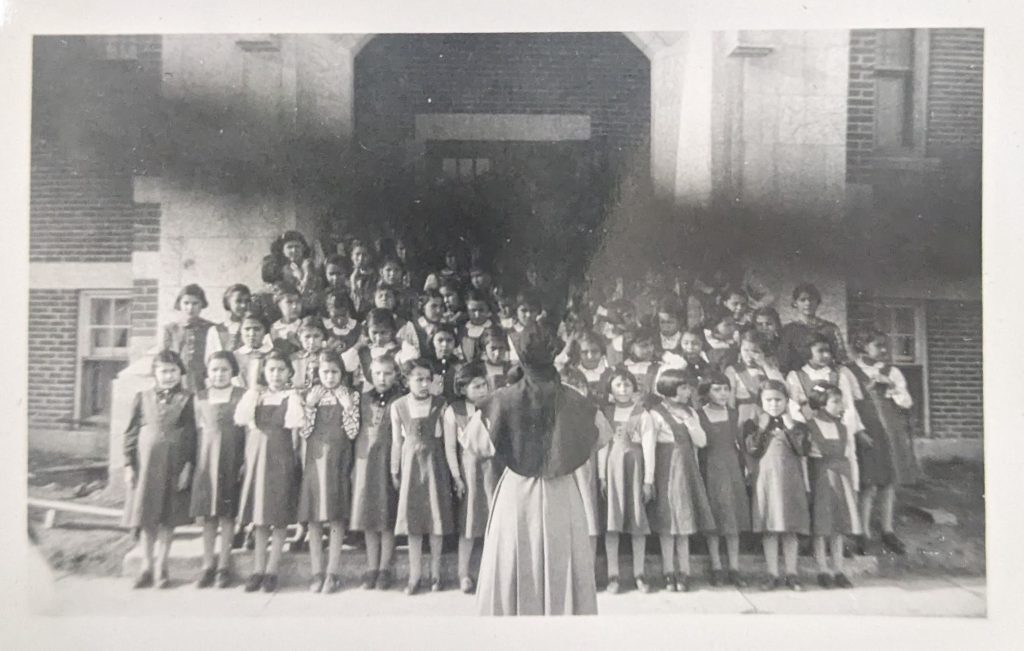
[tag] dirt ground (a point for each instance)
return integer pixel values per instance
(95, 546)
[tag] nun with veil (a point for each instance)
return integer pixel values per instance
(537, 558)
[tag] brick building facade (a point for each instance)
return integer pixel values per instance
(113, 236)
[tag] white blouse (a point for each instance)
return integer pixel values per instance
(897, 390)
(831, 432)
(663, 429)
(294, 417)
(217, 396)
(847, 384)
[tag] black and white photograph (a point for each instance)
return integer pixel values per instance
(555, 322)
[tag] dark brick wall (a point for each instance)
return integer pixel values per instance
(955, 368)
(955, 90)
(52, 354)
(860, 121)
(602, 75)
(77, 212)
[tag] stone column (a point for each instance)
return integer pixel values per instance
(681, 112)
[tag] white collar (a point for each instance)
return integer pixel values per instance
(476, 330)
(281, 325)
(594, 374)
(822, 372)
(672, 341)
(265, 348)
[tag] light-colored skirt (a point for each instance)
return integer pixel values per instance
(537, 558)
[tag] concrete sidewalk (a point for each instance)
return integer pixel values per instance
(77, 595)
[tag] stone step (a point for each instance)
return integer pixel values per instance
(185, 563)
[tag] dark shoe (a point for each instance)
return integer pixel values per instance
(316, 584)
(207, 578)
(270, 583)
(670, 583)
(467, 585)
(682, 582)
(412, 588)
(369, 579)
(893, 544)
(435, 585)
(613, 585)
(849, 544)
(840, 581)
(717, 578)
(384, 580)
(164, 581)
(643, 586)
(224, 578)
(238, 540)
(771, 583)
(254, 583)
(736, 580)
(793, 583)
(144, 580)
(862, 545)
(332, 584)
(825, 580)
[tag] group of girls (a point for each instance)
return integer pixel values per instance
(336, 398)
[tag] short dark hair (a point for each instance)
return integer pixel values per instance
(813, 340)
(773, 385)
(228, 357)
(270, 269)
(279, 355)
(290, 236)
(621, 372)
(712, 378)
(420, 362)
(193, 290)
(494, 335)
(381, 318)
(340, 298)
(820, 392)
(257, 316)
(529, 298)
(466, 374)
(313, 323)
(864, 336)
(473, 294)
(237, 287)
(671, 379)
(166, 356)
(807, 288)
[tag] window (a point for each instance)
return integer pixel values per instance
(900, 90)
(104, 326)
(464, 169)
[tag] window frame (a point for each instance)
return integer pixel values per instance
(83, 351)
(917, 74)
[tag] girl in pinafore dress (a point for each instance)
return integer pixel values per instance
(325, 496)
(252, 354)
(218, 475)
(342, 327)
(680, 507)
(885, 449)
(748, 373)
(475, 477)
(626, 474)
(641, 361)
(446, 363)
(778, 442)
(374, 499)
(833, 475)
(723, 464)
(227, 335)
(284, 333)
(494, 342)
(478, 311)
(304, 362)
(188, 335)
(273, 415)
(159, 455)
(380, 341)
(419, 472)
